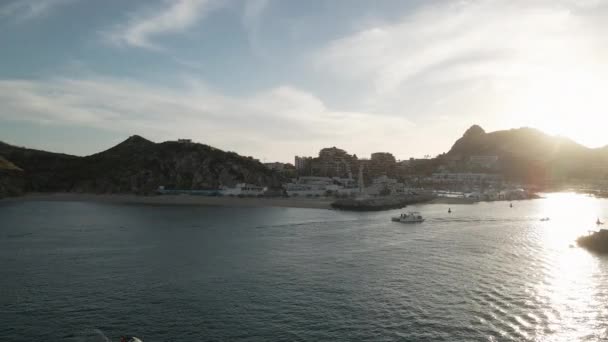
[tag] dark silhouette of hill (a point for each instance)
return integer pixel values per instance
(137, 165)
(531, 155)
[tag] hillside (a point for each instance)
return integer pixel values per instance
(11, 179)
(7, 165)
(530, 154)
(139, 166)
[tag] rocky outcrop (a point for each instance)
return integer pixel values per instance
(595, 242)
(11, 179)
(380, 203)
(138, 166)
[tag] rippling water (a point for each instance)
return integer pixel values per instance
(79, 271)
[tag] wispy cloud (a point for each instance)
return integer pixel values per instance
(277, 122)
(252, 19)
(482, 35)
(172, 16)
(29, 9)
(499, 63)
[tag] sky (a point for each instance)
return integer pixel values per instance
(277, 78)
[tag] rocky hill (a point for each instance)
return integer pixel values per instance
(11, 179)
(530, 154)
(138, 166)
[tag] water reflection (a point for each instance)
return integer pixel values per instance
(571, 281)
(571, 215)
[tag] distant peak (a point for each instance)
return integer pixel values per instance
(474, 130)
(134, 142)
(137, 139)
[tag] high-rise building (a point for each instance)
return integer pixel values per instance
(333, 162)
(382, 163)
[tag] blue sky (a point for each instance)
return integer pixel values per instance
(278, 78)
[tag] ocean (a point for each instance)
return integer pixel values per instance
(85, 271)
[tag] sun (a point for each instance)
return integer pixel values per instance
(562, 99)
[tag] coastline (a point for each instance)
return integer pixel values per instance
(306, 203)
(453, 200)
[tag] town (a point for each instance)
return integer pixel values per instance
(337, 174)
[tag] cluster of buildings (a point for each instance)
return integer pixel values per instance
(335, 172)
(343, 187)
(335, 162)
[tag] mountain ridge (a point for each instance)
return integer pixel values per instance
(139, 166)
(525, 151)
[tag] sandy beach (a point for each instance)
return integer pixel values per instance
(313, 203)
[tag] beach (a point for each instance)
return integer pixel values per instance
(312, 203)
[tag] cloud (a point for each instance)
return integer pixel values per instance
(483, 37)
(252, 19)
(30, 9)
(497, 63)
(277, 123)
(173, 17)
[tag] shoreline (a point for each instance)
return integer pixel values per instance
(305, 203)
(452, 200)
(223, 201)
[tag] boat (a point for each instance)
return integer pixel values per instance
(411, 217)
(544, 219)
(449, 210)
(598, 222)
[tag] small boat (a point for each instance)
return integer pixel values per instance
(511, 205)
(449, 210)
(598, 222)
(411, 217)
(544, 219)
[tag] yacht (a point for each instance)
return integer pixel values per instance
(411, 217)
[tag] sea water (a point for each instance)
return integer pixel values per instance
(83, 271)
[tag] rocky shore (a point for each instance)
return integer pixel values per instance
(596, 242)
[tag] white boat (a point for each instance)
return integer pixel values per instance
(411, 217)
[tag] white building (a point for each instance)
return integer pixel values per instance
(243, 189)
(320, 186)
(302, 163)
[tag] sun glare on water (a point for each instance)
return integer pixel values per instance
(570, 215)
(569, 285)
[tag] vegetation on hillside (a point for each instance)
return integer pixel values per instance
(138, 165)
